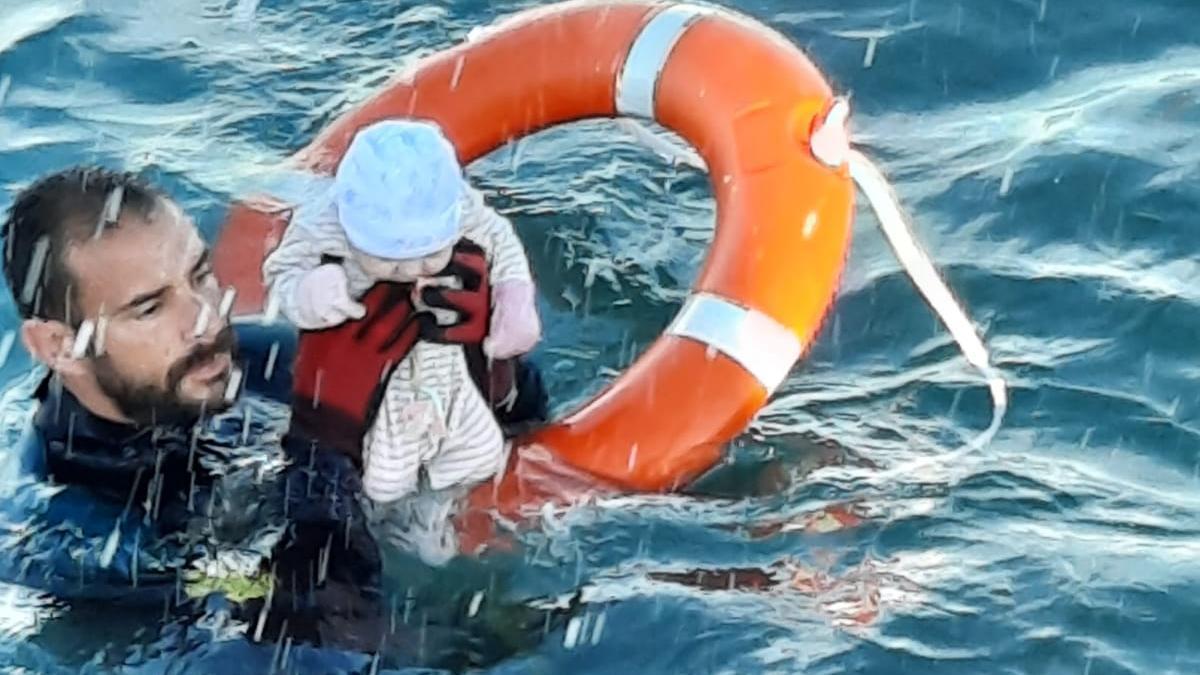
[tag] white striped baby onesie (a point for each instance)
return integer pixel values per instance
(433, 418)
(417, 467)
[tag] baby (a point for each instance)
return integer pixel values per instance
(400, 208)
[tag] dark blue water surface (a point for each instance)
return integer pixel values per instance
(1048, 151)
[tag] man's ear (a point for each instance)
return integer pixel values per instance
(52, 342)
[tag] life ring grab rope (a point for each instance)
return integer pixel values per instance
(925, 277)
(831, 145)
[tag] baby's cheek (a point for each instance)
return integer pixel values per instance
(375, 269)
(437, 262)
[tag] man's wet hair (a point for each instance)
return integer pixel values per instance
(50, 215)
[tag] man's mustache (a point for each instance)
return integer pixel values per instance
(224, 343)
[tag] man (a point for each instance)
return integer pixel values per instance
(143, 477)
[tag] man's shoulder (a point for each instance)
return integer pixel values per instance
(265, 353)
(22, 459)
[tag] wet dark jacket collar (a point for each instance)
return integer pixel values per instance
(114, 460)
(61, 417)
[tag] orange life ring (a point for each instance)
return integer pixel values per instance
(749, 101)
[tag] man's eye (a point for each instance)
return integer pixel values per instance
(204, 275)
(148, 310)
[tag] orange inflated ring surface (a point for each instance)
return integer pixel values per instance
(748, 101)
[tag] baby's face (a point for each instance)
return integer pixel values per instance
(404, 271)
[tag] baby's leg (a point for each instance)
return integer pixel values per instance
(419, 524)
(474, 449)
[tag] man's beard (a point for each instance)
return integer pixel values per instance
(152, 404)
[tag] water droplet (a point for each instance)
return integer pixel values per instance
(317, 389)
(110, 546)
(83, 339)
(137, 546)
(572, 636)
(5, 85)
(323, 563)
(271, 315)
(518, 152)
(589, 275)
(476, 601)
(287, 652)
(458, 68)
(234, 384)
(598, 628)
(279, 644)
(202, 320)
(1006, 181)
(810, 225)
(33, 277)
(227, 303)
(246, 428)
(112, 210)
(869, 57)
(272, 356)
(101, 333)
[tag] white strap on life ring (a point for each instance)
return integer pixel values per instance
(758, 343)
(637, 85)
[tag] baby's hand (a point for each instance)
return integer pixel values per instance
(323, 299)
(515, 328)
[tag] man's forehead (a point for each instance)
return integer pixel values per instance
(137, 256)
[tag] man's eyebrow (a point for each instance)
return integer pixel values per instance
(145, 297)
(203, 260)
(157, 293)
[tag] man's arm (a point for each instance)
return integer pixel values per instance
(74, 546)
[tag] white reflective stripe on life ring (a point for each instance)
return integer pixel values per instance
(648, 55)
(758, 343)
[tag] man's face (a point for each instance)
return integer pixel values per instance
(162, 352)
